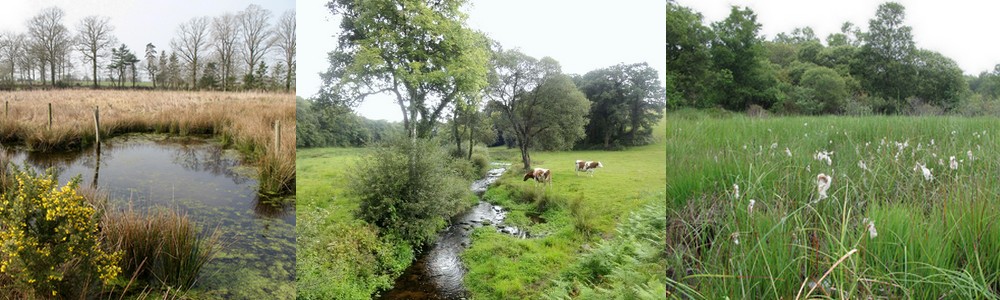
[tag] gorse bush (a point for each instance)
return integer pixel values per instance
(50, 239)
(407, 188)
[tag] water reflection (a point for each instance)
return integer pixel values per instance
(210, 184)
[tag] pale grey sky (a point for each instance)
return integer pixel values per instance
(962, 30)
(581, 35)
(136, 22)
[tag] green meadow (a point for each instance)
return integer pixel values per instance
(592, 237)
(887, 228)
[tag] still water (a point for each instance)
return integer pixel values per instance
(208, 183)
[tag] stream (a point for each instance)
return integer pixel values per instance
(438, 272)
(212, 186)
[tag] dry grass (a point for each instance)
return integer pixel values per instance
(243, 120)
(161, 247)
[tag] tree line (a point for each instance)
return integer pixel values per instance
(728, 64)
(228, 52)
(453, 82)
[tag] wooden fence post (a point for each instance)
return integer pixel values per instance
(277, 136)
(97, 126)
(50, 115)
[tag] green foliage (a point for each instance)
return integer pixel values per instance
(629, 266)
(882, 65)
(504, 267)
(743, 77)
(886, 60)
(826, 87)
(423, 52)
(536, 102)
(338, 256)
(405, 188)
(626, 102)
(50, 239)
(688, 58)
(321, 124)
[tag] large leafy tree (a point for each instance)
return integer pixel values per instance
(626, 101)
(826, 88)
(688, 57)
(420, 52)
(743, 76)
(886, 60)
(536, 102)
(940, 82)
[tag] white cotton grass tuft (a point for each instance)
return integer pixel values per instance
(969, 154)
(750, 206)
(789, 152)
(872, 232)
(824, 156)
(736, 191)
(736, 238)
(822, 185)
(774, 145)
(925, 171)
(953, 164)
(862, 165)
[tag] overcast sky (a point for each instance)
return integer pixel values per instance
(581, 35)
(136, 22)
(962, 30)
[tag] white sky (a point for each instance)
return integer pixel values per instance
(962, 30)
(136, 22)
(581, 35)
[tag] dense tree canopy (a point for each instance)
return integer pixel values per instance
(626, 100)
(875, 71)
(742, 76)
(420, 52)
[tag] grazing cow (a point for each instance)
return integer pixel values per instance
(540, 175)
(587, 166)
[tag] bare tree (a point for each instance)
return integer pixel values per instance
(225, 32)
(93, 39)
(192, 42)
(256, 37)
(51, 37)
(285, 40)
(13, 46)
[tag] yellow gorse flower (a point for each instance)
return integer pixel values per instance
(44, 228)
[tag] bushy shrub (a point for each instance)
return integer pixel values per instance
(49, 239)
(407, 188)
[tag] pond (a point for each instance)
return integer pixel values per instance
(212, 186)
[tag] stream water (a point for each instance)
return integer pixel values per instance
(438, 272)
(210, 184)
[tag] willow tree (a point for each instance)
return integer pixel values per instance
(420, 52)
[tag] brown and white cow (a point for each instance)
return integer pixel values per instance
(587, 166)
(539, 175)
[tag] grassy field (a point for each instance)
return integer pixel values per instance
(579, 212)
(886, 230)
(244, 120)
(573, 216)
(337, 255)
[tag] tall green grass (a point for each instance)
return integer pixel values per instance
(935, 239)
